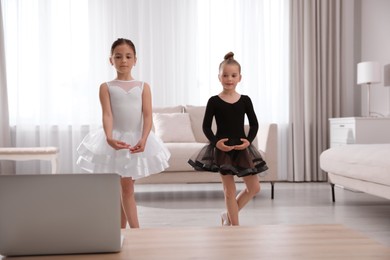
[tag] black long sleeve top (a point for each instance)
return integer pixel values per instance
(230, 119)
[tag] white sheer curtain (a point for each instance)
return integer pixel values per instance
(57, 55)
(5, 134)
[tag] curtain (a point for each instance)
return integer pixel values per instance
(315, 83)
(60, 52)
(5, 134)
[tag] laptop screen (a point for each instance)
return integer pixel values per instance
(59, 214)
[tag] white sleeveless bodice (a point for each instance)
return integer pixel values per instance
(126, 104)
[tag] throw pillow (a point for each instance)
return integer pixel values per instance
(173, 109)
(196, 115)
(173, 127)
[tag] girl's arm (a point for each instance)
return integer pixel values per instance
(105, 102)
(207, 122)
(252, 118)
(253, 126)
(147, 119)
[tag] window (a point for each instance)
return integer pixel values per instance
(57, 56)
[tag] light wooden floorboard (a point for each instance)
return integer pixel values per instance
(199, 205)
(287, 242)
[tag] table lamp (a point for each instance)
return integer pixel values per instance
(386, 78)
(368, 73)
(386, 75)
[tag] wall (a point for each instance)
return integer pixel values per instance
(365, 37)
(350, 55)
(375, 46)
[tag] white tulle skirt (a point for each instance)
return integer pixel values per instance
(96, 156)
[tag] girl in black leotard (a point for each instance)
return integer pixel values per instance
(230, 151)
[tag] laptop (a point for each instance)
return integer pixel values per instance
(59, 214)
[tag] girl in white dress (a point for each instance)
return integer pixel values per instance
(125, 145)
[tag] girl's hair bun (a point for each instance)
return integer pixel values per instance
(229, 60)
(229, 55)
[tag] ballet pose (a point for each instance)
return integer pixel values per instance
(125, 145)
(230, 151)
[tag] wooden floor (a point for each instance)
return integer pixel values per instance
(245, 242)
(200, 205)
(254, 242)
(182, 221)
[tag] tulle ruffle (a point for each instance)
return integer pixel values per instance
(96, 156)
(237, 162)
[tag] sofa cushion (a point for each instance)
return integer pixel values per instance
(180, 153)
(196, 115)
(173, 109)
(367, 162)
(173, 127)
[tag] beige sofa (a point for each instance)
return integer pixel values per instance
(180, 128)
(361, 167)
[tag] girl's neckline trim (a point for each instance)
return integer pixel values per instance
(124, 80)
(229, 102)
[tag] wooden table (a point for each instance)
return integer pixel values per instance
(245, 242)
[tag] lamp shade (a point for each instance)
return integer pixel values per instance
(368, 72)
(386, 75)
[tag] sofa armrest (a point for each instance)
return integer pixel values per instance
(267, 143)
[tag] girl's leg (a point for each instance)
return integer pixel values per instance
(252, 188)
(229, 188)
(123, 217)
(128, 202)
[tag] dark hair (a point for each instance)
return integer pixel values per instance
(121, 41)
(229, 59)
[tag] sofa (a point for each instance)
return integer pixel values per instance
(180, 128)
(360, 167)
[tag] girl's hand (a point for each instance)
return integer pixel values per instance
(138, 148)
(116, 144)
(222, 146)
(243, 146)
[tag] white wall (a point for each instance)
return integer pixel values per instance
(375, 46)
(365, 37)
(350, 55)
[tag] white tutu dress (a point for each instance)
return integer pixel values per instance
(97, 156)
